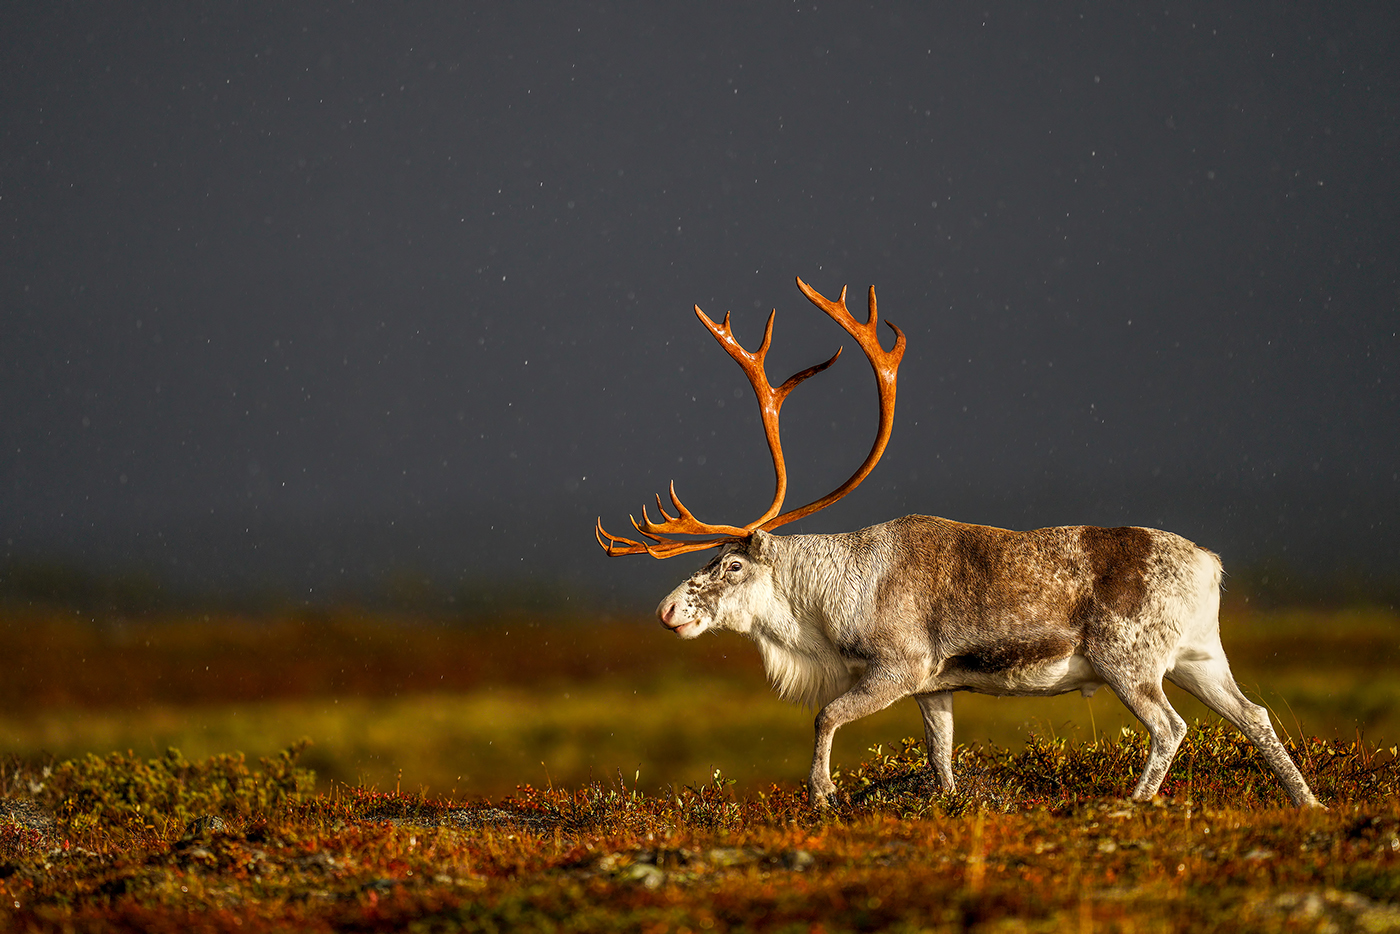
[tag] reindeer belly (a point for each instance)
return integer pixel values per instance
(1034, 662)
(1036, 679)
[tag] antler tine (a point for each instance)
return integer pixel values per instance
(683, 523)
(770, 400)
(616, 545)
(885, 363)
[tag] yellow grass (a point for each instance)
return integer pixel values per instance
(674, 723)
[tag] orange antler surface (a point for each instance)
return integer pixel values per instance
(885, 363)
(662, 543)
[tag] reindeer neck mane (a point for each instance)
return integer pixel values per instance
(802, 663)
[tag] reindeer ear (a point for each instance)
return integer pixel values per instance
(761, 546)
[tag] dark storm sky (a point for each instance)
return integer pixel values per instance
(318, 295)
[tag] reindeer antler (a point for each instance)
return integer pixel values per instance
(885, 363)
(662, 544)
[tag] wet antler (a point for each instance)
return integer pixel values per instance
(662, 544)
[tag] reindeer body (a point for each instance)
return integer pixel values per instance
(925, 607)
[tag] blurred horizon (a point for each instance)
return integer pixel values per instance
(135, 590)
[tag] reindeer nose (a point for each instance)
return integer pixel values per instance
(666, 612)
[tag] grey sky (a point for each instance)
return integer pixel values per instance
(310, 296)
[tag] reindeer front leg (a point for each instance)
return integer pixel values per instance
(879, 687)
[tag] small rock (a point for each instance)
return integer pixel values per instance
(798, 860)
(320, 860)
(206, 823)
(647, 875)
(26, 813)
(726, 856)
(381, 886)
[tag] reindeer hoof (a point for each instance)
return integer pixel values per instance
(819, 795)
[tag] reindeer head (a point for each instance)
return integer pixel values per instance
(723, 593)
(728, 593)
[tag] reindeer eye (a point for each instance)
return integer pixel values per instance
(735, 566)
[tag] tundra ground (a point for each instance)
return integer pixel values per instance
(651, 831)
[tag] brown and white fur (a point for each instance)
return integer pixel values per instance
(920, 606)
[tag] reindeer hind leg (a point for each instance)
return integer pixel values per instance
(1164, 725)
(937, 710)
(1210, 680)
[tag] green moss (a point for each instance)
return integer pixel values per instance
(124, 790)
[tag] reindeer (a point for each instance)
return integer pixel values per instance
(849, 623)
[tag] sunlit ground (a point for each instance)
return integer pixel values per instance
(478, 711)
